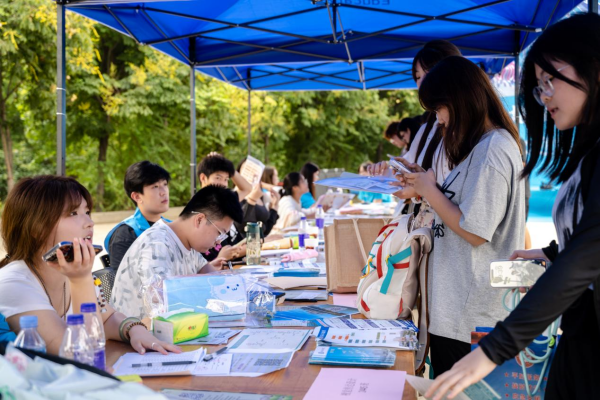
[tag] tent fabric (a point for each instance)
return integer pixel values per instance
(324, 44)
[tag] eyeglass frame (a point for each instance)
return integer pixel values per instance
(222, 235)
(538, 91)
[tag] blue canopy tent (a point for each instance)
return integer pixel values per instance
(311, 44)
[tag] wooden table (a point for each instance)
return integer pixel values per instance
(294, 380)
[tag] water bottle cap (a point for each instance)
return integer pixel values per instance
(28, 321)
(320, 206)
(303, 218)
(76, 319)
(88, 307)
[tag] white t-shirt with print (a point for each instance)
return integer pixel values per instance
(156, 254)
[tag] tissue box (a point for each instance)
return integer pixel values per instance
(180, 327)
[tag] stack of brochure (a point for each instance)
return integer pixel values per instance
(356, 356)
(399, 339)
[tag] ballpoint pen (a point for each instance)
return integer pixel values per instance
(210, 356)
(166, 363)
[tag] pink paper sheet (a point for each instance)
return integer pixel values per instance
(348, 300)
(357, 383)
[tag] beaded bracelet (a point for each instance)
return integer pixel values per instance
(140, 323)
(122, 325)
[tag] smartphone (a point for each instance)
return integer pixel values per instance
(399, 167)
(516, 273)
(67, 249)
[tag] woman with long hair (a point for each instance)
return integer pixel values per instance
(290, 207)
(39, 213)
(560, 102)
(310, 171)
(426, 149)
(479, 210)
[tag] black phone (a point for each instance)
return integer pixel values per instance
(67, 249)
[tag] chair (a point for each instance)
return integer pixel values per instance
(105, 260)
(107, 279)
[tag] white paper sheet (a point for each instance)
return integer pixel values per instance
(252, 170)
(215, 336)
(252, 364)
(269, 341)
(219, 365)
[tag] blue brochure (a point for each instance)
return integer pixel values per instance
(357, 356)
(219, 296)
(320, 311)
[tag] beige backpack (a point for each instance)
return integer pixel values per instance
(395, 274)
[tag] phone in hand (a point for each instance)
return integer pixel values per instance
(399, 167)
(67, 250)
(516, 273)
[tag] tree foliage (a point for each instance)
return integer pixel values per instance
(126, 103)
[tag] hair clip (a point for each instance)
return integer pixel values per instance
(7, 256)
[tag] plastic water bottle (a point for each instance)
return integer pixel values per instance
(302, 233)
(29, 338)
(95, 332)
(76, 344)
(320, 220)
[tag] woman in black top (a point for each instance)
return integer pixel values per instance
(560, 89)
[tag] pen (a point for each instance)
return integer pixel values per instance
(166, 363)
(209, 357)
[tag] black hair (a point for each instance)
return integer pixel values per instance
(575, 41)
(142, 174)
(432, 53)
(216, 202)
(428, 57)
(292, 179)
(466, 91)
(215, 163)
(308, 170)
(412, 125)
(392, 129)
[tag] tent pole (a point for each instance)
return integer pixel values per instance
(249, 121)
(61, 95)
(517, 85)
(517, 77)
(593, 6)
(192, 130)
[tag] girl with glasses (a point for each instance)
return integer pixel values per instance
(560, 102)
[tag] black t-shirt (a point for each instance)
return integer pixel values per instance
(122, 238)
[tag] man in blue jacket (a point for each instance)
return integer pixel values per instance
(147, 184)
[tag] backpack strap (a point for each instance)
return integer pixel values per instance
(393, 262)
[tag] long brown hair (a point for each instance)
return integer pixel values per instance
(461, 86)
(428, 57)
(32, 211)
(268, 175)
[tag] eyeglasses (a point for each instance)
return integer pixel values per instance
(545, 88)
(222, 235)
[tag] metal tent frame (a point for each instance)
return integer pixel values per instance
(260, 54)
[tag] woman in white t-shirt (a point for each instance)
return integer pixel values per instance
(40, 212)
(290, 208)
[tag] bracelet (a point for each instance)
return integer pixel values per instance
(140, 323)
(122, 325)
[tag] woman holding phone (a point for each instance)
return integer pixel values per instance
(479, 210)
(39, 213)
(560, 102)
